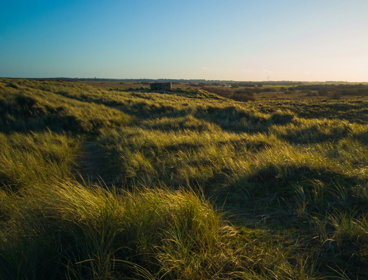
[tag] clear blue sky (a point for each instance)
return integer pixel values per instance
(210, 39)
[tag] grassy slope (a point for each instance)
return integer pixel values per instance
(291, 176)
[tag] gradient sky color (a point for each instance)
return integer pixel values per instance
(309, 40)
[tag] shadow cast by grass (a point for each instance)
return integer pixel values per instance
(362, 137)
(234, 119)
(315, 134)
(143, 110)
(350, 111)
(288, 194)
(93, 165)
(344, 245)
(21, 113)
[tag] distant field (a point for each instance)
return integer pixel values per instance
(107, 180)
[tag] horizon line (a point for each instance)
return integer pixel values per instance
(183, 79)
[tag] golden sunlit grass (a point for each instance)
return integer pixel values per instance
(106, 184)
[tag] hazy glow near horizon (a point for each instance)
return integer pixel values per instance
(310, 40)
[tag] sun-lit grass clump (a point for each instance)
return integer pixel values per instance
(35, 157)
(98, 183)
(78, 232)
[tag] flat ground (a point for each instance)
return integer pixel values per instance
(106, 180)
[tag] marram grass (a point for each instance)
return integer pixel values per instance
(68, 230)
(99, 183)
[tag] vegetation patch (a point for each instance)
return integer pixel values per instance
(110, 181)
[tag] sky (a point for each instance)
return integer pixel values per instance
(258, 40)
